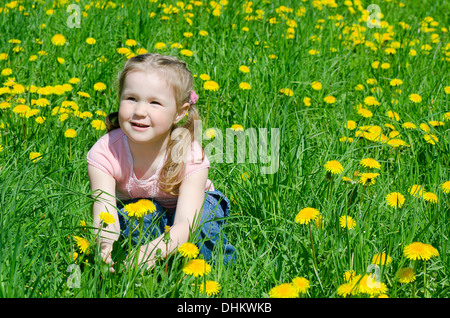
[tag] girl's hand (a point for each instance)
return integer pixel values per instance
(105, 252)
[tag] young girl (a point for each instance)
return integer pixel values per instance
(139, 158)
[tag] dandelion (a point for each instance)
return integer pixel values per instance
(244, 69)
(381, 259)
(370, 163)
(305, 215)
(419, 251)
(140, 208)
(98, 124)
(197, 267)
(351, 125)
(416, 190)
(210, 287)
(82, 244)
(346, 221)
(285, 290)
(90, 41)
(330, 99)
(396, 82)
(58, 40)
(70, 133)
(346, 289)
(210, 133)
(431, 139)
(160, 46)
(415, 98)
(446, 187)
(287, 91)
(368, 178)
(406, 275)
(334, 167)
(188, 250)
(35, 156)
(107, 218)
(301, 283)
(395, 200)
(409, 125)
(316, 85)
(371, 101)
(99, 86)
(245, 86)
(430, 197)
(237, 127)
(186, 52)
(211, 86)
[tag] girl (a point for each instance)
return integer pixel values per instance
(141, 157)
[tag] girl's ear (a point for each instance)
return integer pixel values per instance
(181, 113)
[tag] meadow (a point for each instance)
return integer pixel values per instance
(359, 203)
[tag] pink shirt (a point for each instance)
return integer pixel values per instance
(112, 155)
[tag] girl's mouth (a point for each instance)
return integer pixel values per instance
(139, 125)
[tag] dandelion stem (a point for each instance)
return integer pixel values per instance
(312, 247)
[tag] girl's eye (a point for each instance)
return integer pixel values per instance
(131, 98)
(155, 102)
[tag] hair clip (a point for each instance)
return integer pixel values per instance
(193, 98)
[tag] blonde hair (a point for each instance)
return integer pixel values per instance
(180, 78)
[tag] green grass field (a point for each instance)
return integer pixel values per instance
(382, 92)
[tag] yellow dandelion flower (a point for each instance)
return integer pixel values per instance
(210, 287)
(416, 189)
(244, 69)
(90, 41)
(211, 86)
(70, 133)
(351, 125)
(99, 86)
(285, 290)
(330, 99)
(58, 40)
(107, 218)
(98, 124)
(82, 244)
(406, 275)
(160, 46)
(415, 98)
(368, 178)
(287, 91)
(430, 197)
(347, 221)
(35, 156)
(237, 127)
(245, 86)
(307, 101)
(188, 250)
(371, 101)
(302, 284)
(140, 208)
(205, 77)
(370, 163)
(409, 125)
(316, 85)
(395, 199)
(305, 215)
(396, 82)
(419, 251)
(381, 259)
(210, 133)
(446, 187)
(346, 289)
(186, 52)
(197, 267)
(431, 139)
(334, 167)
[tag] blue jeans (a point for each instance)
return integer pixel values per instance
(209, 237)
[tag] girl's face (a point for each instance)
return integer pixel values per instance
(148, 108)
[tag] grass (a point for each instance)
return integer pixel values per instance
(45, 201)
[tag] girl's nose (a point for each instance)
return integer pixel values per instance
(140, 109)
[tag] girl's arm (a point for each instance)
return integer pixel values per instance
(103, 187)
(190, 202)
